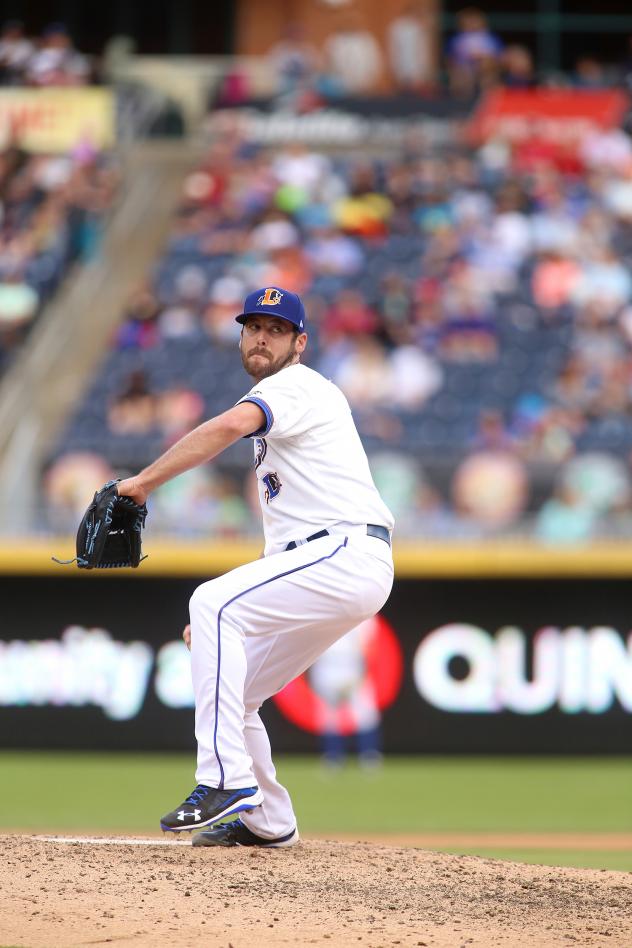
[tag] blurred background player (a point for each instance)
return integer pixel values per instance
(349, 717)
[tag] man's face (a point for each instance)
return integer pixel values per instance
(268, 344)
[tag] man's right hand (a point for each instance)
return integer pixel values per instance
(186, 635)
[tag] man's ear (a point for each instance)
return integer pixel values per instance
(301, 342)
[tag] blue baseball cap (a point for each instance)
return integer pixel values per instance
(274, 301)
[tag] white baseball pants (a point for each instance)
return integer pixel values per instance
(255, 629)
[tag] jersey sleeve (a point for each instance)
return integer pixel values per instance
(285, 404)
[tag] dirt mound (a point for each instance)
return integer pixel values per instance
(318, 893)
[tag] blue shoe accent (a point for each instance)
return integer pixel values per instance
(206, 805)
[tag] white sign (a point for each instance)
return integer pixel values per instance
(573, 669)
(84, 666)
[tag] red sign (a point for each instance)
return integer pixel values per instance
(515, 114)
(383, 674)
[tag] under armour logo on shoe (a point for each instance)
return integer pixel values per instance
(182, 815)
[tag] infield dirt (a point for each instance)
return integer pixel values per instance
(318, 893)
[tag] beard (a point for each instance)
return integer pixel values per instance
(270, 366)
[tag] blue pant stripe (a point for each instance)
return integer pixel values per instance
(219, 639)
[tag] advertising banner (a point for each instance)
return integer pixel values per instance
(336, 126)
(558, 114)
(56, 120)
(467, 666)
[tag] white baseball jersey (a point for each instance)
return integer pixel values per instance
(312, 471)
(257, 627)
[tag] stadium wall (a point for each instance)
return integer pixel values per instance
(481, 650)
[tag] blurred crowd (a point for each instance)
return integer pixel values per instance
(41, 61)
(51, 206)
(51, 213)
(353, 62)
(475, 306)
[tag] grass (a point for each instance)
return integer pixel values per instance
(61, 792)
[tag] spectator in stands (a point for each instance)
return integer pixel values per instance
(364, 373)
(415, 377)
(133, 411)
(554, 225)
(185, 505)
(371, 376)
(365, 210)
(492, 433)
(57, 62)
(275, 232)
(468, 339)
(67, 487)
(181, 317)
(409, 41)
(234, 87)
(400, 188)
(545, 433)
(517, 70)
(204, 501)
(597, 337)
(353, 59)
(473, 54)
(507, 237)
(349, 315)
(227, 293)
(295, 63)
(329, 251)
(297, 166)
(288, 267)
(18, 301)
(232, 517)
(396, 308)
(398, 479)
(139, 328)
(604, 279)
(555, 277)
(607, 148)
(178, 411)
(490, 488)
(16, 51)
(589, 487)
(589, 73)
(207, 185)
(565, 519)
(574, 387)
(469, 332)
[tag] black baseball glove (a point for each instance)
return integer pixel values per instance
(109, 534)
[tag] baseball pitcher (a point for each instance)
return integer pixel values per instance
(327, 566)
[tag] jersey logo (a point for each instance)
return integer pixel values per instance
(271, 297)
(273, 485)
(261, 449)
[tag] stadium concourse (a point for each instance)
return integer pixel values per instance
(474, 304)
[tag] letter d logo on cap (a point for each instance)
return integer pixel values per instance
(271, 297)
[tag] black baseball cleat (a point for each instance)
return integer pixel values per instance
(237, 834)
(207, 805)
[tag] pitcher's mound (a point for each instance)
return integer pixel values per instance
(147, 892)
